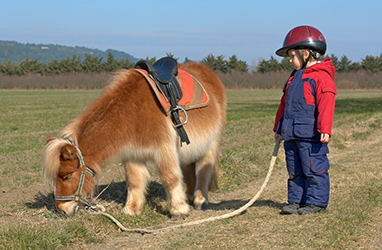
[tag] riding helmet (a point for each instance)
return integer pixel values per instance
(303, 37)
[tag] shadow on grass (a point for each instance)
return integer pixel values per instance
(156, 196)
(115, 191)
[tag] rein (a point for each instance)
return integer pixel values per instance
(77, 197)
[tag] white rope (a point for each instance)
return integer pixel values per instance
(197, 222)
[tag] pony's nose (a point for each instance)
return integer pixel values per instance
(67, 213)
(61, 211)
(67, 208)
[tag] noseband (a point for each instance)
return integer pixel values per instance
(77, 197)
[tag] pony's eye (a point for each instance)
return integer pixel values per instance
(67, 177)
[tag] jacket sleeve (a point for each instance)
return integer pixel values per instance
(279, 115)
(325, 103)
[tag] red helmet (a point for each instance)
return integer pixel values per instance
(303, 37)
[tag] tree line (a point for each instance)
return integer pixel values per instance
(97, 64)
(217, 63)
(369, 63)
(70, 64)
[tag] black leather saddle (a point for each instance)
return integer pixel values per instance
(164, 72)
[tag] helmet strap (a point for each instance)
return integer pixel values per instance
(304, 61)
(315, 54)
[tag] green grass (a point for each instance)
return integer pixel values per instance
(28, 117)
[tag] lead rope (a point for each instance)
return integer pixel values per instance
(197, 222)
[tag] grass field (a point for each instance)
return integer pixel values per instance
(353, 220)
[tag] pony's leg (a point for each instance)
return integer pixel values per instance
(204, 170)
(137, 178)
(189, 179)
(172, 179)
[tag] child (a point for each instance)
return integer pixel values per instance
(304, 120)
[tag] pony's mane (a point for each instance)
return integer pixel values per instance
(51, 157)
(70, 131)
(52, 150)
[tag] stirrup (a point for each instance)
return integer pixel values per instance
(177, 107)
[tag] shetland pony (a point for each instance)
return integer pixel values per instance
(126, 121)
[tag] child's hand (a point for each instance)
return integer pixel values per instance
(277, 136)
(325, 138)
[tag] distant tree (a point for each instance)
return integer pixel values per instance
(355, 66)
(210, 61)
(70, 64)
(92, 64)
(344, 64)
(151, 60)
(8, 68)
(236, 65)
(371, 64)
(53, 68)
(28, 66)
(232, 64)
(110, 64)
(335, 60)
(125, 64)
(186, 60)
(169, 54)
(242, 66)
(271, 65)
(221, 64)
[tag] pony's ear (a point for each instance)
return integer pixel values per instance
(50, 138)
(68, 152)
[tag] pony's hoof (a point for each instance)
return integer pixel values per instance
(202, 206)
(178, 217)
(181, 212)
(128, 211)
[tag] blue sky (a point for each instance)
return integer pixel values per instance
(249, 29)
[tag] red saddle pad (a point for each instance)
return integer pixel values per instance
(194, 95)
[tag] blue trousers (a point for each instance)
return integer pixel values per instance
(308, 166)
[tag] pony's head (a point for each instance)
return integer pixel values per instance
(73, 180)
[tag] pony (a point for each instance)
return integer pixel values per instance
(127, 123)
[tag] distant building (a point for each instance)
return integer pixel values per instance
(44, 47)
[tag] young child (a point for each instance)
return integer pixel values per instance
(304, 120)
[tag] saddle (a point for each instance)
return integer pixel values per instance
(164, 72)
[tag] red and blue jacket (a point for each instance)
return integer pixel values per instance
(307, 107)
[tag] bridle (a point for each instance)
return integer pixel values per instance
(77, 197)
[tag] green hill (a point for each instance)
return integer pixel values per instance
(45, 53)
